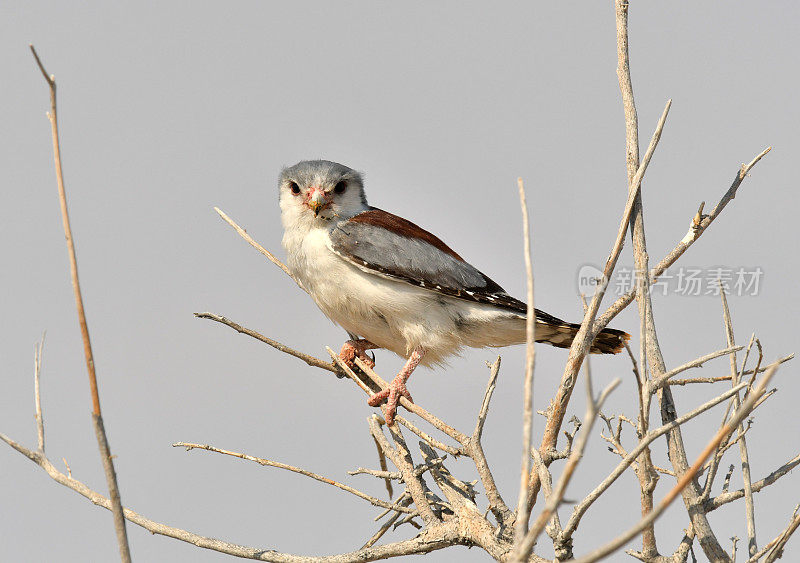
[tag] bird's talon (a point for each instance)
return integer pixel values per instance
(353, 349)
(376, 399)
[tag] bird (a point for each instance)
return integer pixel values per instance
(393, 285)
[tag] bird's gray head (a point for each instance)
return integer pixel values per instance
(320, 190)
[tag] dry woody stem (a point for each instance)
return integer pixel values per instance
(97, 417)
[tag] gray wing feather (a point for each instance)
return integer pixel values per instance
(418, 262)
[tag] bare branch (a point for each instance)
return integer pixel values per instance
(593, 407)
(268, 462)
(310, 360)
(433, 442)
(725, 498)
(444, 535)
(413, 407)
(521, 523)
(583, 506)
(261, 249)
(661, 381)
(402, 460)
(686, 478)
(494, 370)
(776, 546)
(589, 327)
(97, 417)
(699, 380)
(37, 370)
(750, 515)
(695, 231)
(388, 524)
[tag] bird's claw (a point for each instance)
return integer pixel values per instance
(354, 349)
(397, 388)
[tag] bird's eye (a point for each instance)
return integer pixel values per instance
(340, 187)
(294, 188)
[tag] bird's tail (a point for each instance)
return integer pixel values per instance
(553, 330)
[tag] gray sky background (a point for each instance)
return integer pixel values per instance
(168, 109)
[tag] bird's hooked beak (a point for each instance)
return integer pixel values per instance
(318, 200)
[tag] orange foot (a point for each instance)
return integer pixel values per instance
(353, 349)
(397, 388)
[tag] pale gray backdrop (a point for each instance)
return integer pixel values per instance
(170, 108)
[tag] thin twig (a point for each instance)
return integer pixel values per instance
(414, 408)
(97, 417)
(37, 370)
(388, 524)
(592, 408)
(494, 370)
(401, 458)
(433, 442)
(695, 231)
(521, 524)
(581, 344)
(583, 506)
(686, 478)
(661, 381)
(269, 463)
(474, 449)
(775, 547)
(432, 539)
(258, 247)
(383, 466)
(752, 546)
(699, 380)
(310, 360)
(725, 498)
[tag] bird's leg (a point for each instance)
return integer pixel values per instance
(357, 348)
(397, 388)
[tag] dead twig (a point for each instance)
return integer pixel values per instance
(521, 523)
(581, 508)
(592, 409)
(97, 417)
(271, 257)
(310, 360)
(686, 478)
(750, 516)
(269, 463)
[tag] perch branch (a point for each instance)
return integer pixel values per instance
(310, 360)
(413, 407)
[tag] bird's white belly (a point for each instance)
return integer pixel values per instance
(393, 314)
